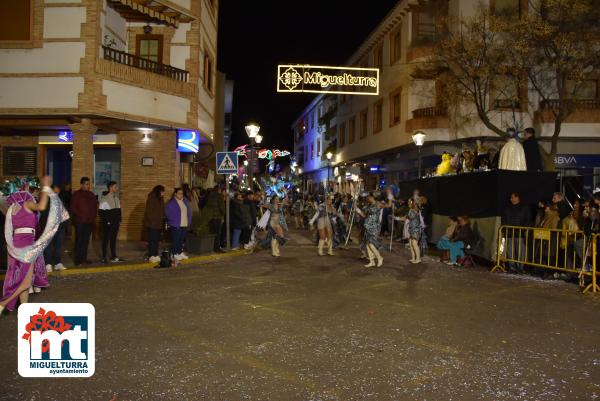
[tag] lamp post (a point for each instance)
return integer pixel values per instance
(419, 139)
(329, 155)
(252, 130)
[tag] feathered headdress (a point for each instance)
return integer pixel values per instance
(19, 184)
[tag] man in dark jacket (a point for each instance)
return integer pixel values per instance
(518, 215)
(533, 158)
(154, 221)
(110, 216)
(84, 208)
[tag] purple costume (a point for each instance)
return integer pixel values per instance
(24, 252)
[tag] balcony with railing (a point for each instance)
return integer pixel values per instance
(581, 110)
(136, 71)
(132, 60)
(575, 103)
(428, 117)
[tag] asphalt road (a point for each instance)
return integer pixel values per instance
(303, 327)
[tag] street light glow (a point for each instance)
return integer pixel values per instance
(258, 139)
(252, 130)
(329, 155)
(419, 138)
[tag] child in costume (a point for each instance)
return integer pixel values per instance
(445, 167)
(25, 255)
(415, 230)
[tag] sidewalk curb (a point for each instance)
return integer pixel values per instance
(142, 265)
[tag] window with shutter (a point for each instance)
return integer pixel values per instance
(19, 161)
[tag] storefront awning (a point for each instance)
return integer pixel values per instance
(149, 11)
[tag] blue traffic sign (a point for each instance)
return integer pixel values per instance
(227, 162)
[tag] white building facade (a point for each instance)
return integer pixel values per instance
(104, 88)
(374, 133)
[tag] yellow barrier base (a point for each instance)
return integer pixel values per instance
(498, 267)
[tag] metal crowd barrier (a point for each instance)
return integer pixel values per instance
(561, 250)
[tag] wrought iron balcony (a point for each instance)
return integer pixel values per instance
(430, 112)
(132, 60)
(577, 104)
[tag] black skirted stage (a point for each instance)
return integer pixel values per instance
(482, 196)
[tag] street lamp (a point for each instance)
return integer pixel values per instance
(252, 130)
(419, 139)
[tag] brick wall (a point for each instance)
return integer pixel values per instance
(137, 180)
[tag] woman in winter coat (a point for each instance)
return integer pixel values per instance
(238, 220)
(154, 220)
(179, 218)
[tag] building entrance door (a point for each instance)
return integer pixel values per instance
(58, 165)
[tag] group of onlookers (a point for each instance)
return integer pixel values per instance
(209, 206)
(568, 248)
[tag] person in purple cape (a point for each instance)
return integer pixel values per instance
(25, 254)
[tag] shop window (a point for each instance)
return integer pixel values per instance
(150, 47)
(342, 135)
(351, 129)
(15, 20)
(363, 124)
(208, 72)
(396, 45)
(378, 116)
(19, 161)
(395, 107)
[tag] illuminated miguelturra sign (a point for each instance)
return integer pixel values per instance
(322, 79)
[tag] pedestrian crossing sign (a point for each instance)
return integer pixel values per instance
(227, 162)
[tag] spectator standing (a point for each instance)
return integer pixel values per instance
(237, 220)
(516, 214)
(154, 221)
(84, 208)
(53, 252)
(110, 216)
(179, 218)
(562, 205)
(215, 210)
(531, 147)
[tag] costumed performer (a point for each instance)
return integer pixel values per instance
(415, 230)
(25, 255)
(512, 154)
(276, 226)
(372, 227)
(324, 215)
(445, 167)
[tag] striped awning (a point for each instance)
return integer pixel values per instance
(135, 11)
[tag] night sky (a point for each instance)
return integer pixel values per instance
(255, 36)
